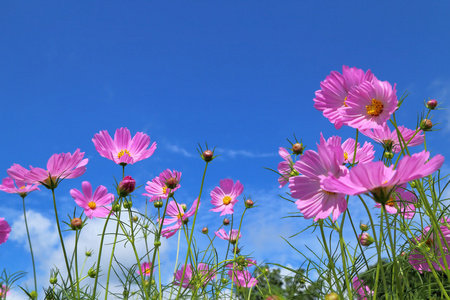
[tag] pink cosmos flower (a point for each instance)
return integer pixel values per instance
(243, 278)
(176, 214)
(403, 199)
(157, 189)
(285, 167)
(332, 97)
(93, 205)
(364, 154)
(389, 139)
(379, 180)
(361, 289)
(123, 150)
(22, 188)
(194, 278)
(17, 172)
(232, 236)
(146, 269)
(370, 105)
(4, 291)
(59, 167)
(5, 229)
(429, 243)
(313, 200)
(225, 196)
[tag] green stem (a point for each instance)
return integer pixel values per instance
(112, 253)
(29, 242)
(330, 258)
(77, 236)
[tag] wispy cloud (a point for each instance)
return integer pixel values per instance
(242, 153)
(440, 89)
(179, 150)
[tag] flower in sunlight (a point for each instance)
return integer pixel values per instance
(93, 205)
(332, 97)
(194, 278)
(176, 214)
(232, 236)
(402, 199)
(146, 269)
(361, 289)
(59, 167)
(225, 196)
(160, 186)
(123, 150)
(5, 229)
(285, 167)
(364, 154)
(22, 188)
(242, 278)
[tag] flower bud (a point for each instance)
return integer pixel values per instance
(224, 280)
(135, 219)
(116, 207)
(431, 104)
(413, 184)
(34, 294)
(185, 220)
(205, 230)
(297, 148)
(171, 183)
(388, 155)
(157, 243)
(332, 296)
(88, 253)
(426, 125)
(126, 186)
(125, 293)
(237, 250)
(365, 239)
(127, 204)
(76, 223)
(53, 280)
(248, 203)
(226, 222)
(158, 204)
(363, 227)
(184, 206)
(92, 273)
(208, 155)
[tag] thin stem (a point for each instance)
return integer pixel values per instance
(330, 258)
(77, 236)
(29, 242)
(112, 253)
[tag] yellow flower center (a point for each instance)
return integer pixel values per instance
(345, 155)
(122, 152)
(180, 215)
(375, 109)
(390, 202)
(345, 104)
(226, 200)
(328, 193)
(147, 271)
(22, 187)
(92, 205)
(165, 190)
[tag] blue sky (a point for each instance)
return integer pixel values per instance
(240, 76)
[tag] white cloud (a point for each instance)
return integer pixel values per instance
(242, 153)
(441, 91)
(179, 150)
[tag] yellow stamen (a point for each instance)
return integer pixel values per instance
(122, 152)
(180, 215)
(390, 202)
(147, 271)
(165, 190)
(345, 155)
(92, 205)
(226, 200)
(345, 104)
(329, 193)
(375, 109)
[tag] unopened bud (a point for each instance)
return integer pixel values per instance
(184, 206)
(363, 227)
(297, 148)
(224, 280)
(76, 223)
(248, 203)
(157, 243)
(208, 155)
(205, 230)
(365, 239)
(34, 294)
(413, 184)
(431, 104)
(388, 155)
(135, 219)
(332, 296)
(426, 125)
(171, 183)
(237, 250)
(116, 207)
(53, 280)
(127, 204)
(226, 222)
(92, 273)
(126, 186)
(158, 204)
(88, 253)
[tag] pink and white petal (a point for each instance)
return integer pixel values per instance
(87, 190)
(122, 138)
(227, 186)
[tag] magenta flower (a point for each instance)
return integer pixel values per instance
(430, 246)
(59, 167)
(5, 229)
(176, 214)
(225, 196)
(389, 139)
(93, 205)
(4, 291)
(403, 199)
(194, 278)
(146, 269)
(123, 150)
(313, 200)
(285, 167)
(379, 180)
(332, 97)
(364, 154)
(126, 186)
(243, 278)
(361, 289)
(370, 105)
(17, 172)
(158, 188)
(365, 239)
(232, 236)
(22, 188)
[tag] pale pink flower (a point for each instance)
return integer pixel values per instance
(361, 289)
(285, 167)
(403, 199)
(4, 291)
(176, 214)
(428, 242)
(232, 236)
(93, 205)
(370, 105)
(146, 269)
(22, 188)
(17, 172)
(364, 154)
(5, 229)
(194, 278)
(123, 150)
(59, 167)
(225, 196)
(313, 200)
(157, 189)
(243, 278)
(389, 139)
